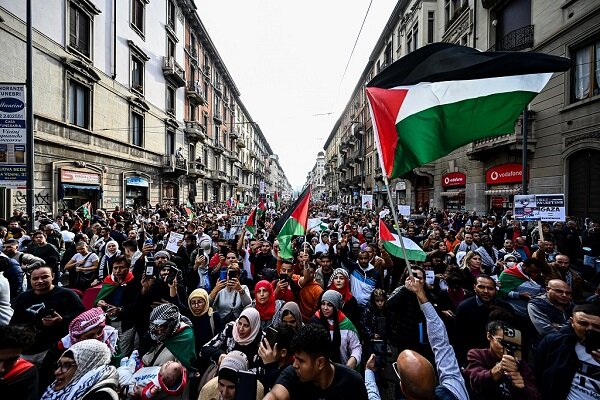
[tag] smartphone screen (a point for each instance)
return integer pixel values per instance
(592, 341)
(271, 336)
(246, 386)
(223, 275)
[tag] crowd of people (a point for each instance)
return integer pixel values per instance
(174, 303)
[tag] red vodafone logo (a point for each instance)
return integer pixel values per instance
(504, 173)
(454, 179)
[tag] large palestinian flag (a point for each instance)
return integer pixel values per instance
(391, 243)
(443, 96)
(251, 222)
(292, 223)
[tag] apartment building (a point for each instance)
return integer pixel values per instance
(132, 105)
(563, 121)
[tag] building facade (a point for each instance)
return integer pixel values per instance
(563, 121)
(132, 106)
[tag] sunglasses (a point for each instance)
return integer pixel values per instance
(395, 367)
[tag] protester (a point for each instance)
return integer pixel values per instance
(18, 377)
(225, 384)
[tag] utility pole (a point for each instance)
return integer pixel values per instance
(524, 156)
(29, 121)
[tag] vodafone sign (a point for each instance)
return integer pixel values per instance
(504, 173)
(454, 179)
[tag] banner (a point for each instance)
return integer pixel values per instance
(540, 207)
(13, 136)
(367, 201)
(404, 210)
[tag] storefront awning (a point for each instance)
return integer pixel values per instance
(80, 186)
(452, 193)
(502, 192)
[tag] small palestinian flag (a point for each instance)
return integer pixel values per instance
(391, 243)
(276, 200)
(292, 223)
(87, 210)
(251, 222)
(444, 96)
(262, 208)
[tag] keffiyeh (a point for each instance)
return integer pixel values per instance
(87, 321)
(165, 314)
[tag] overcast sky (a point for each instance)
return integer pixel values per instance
(287, 59)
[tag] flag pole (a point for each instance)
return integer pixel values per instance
(394, 214)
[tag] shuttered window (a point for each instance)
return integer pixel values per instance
(584, 191)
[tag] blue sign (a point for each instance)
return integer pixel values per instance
(11, 105)
(137, 181)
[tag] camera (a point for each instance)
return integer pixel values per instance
(512, 342)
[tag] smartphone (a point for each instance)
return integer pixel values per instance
(232, 274)
(285, 278)
(224, 250)
(46, 312)
(379, 351)
(271, 335)
(150, 267)
(592, 341)
(245, 389)
(512, 342)
(223, 275)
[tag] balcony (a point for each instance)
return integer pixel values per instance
(218, 87)
(222, 176)
(218, 148)
(240, 143)
(196, 169)
(218, 118)
(253, 154)
(246, 167)
(195, 93)
(481, 149)
(174, 165)
(232, 155)
(195, 131)
(173, 72)
(234, 134)
(234, 180)
(519, 39)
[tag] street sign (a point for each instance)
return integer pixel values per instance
(13, 136)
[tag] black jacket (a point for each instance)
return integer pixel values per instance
(556, 363)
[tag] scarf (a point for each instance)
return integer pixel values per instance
(486, 259)
(87, 321)
(294, 310)
(182, 344)
(107, 259)
(344, 291)
(91, 358)
(266, 310)
(200, 294)
(165, 314)
(109, 285)
(253, 318)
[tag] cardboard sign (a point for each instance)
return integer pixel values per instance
(540, 207)
(174, 238)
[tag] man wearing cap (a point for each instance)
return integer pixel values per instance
(224, 385)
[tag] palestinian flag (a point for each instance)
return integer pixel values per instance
(109, 286)
(391, 243)
(251, 222)
(510, 279)
(262, 208)
(87, 210)
(292, 223)
(276, 200)
(444, 96)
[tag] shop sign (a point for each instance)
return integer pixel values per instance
(454, 179)
(13, 136)
(498, 201)
(504, 173)
(540, 207)
(400, 185)
(79, 177)
(137, 181)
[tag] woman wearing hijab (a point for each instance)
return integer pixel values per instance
(206, 323)
(291, 315)
(243, 334)
(111, 251)
(346, 348)
(173, 337)
(90, 324)
(340, 282)
(266, 305)
(83, 373)
(229, 297)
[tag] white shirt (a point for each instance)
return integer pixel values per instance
(586, 378)
(88, 263)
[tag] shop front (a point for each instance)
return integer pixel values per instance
(137, 190)
(503, 182)
(78, 187)
(454, 184)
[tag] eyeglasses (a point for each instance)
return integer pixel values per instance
(395, 367)
(64, 367)
(197, 303)
(498, 339)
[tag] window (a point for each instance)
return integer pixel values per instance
(137, 129)
(171, 14)
(138, 11)
(217, 137)
(447, 14)
(170, 47)
(430, 26)
(170, 105)
(137, 74)
(412, 42)
(399, 39)
(79, 104)
(170, 142)
(79, 30)
(586, 72)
